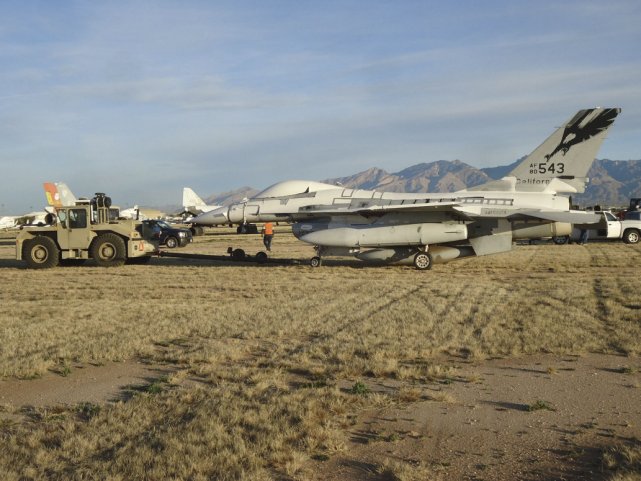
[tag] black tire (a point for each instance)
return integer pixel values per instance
(41, 252)
(138, 260)
(171, 242)
(261, 257)
(560, 239)
(631, 236)
(241, 229)
(108, 250)
(315, 261)
(72, 262)
(423, 261)
(238, 254)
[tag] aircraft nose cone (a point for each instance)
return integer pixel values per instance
(213, 217)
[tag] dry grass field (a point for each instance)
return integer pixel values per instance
(288, 372)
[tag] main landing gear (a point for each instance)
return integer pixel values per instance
(423, 261)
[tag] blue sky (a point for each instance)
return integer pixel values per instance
(141, 98)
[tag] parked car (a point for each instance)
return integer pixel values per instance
(166, 234)
(629, 229)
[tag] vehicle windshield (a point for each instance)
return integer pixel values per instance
(163, 224)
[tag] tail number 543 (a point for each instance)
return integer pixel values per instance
(542, 168)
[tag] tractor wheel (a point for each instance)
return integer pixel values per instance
(423, 261)
(41, 252)
(108, 250)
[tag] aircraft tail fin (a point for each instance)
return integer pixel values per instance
(562, 162)
(190, 198)
(58, 194)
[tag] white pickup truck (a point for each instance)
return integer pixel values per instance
(609, 227)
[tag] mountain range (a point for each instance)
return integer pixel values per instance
(612, 182)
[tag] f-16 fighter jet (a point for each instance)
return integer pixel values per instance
(424, 228)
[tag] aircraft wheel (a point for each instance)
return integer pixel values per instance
(631, 236)
(171, 242)
(238, 254)
(41, 252)
(423, 261)
(108, 250)
(560, 239)
(315, 261)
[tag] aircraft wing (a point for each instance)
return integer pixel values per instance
(571, 216)
(380, 209)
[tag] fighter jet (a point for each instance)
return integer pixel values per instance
(424, 228)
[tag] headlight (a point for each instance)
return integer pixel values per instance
(181, 234)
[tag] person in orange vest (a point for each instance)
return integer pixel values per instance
(268, 235)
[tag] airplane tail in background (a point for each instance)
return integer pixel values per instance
(562, 162)
(567, 154)
(191, 199)
(58, 194)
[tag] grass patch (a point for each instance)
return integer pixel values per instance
(359, 388)
(623, 461)
(540, 405)
(157, 386)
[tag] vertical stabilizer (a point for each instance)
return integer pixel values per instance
(191, 199)
(567, 154)
(58, 194)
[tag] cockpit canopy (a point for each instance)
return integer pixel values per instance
(293, 187)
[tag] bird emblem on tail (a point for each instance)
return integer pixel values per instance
(579, 130)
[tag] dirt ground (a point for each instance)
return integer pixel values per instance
(490, 429)
(533, 418)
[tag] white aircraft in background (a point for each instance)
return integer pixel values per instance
(132, 213)
(429, 228)
(194, 205)
(8, 222)
(16, 221)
